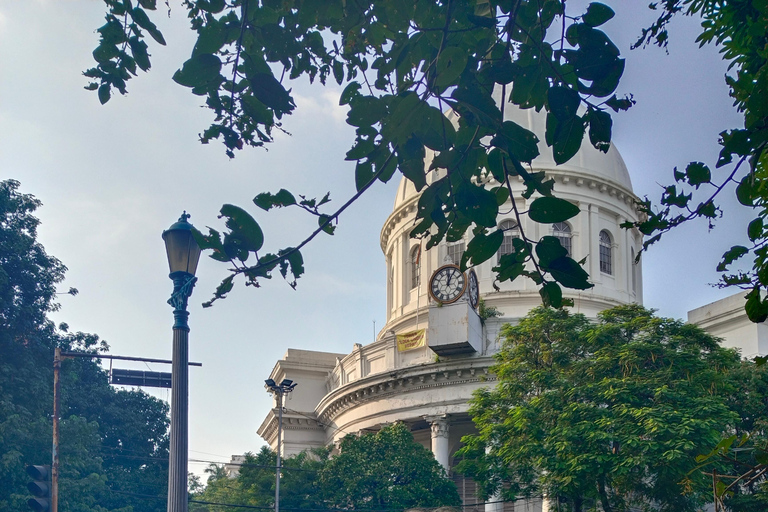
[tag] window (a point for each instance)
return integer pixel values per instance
(455, 252)
(415, 266)
(510, 232)
(562, 232)
(606, 253)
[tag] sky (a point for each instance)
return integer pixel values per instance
(113, 177)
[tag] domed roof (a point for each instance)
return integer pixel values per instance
(588, 162)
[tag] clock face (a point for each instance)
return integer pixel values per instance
(474, 289)
(447, 284)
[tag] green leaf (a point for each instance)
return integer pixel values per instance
(551, 295)
(731, 255)
(294, 262)
(349, 93)
(697, 173)
(597, 14)
(563, 101)
(548, 250)
(104, 93)
(755, 229)
(338, 71)
(600, 127)
(329, 227)
(265, 200)
(139, 52)
(366, 111)
(363, 174)
(450, 65)
(271, 92)
(565, 137)
(198, 71)
(549, 210)
(517, 141)
(756, 308)
(434, 129)
(142, 20)
(410, 161)
(569, 273)
(243, 226)
(212, 6)
(482, 247)
(746, 191)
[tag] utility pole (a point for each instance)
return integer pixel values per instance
(57, 358)
(56, 414)
(279, 390)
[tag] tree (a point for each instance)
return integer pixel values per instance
(613, 413)
(386, 469)
(113, 443)
(405, 64)
(372, 471)
(741, 30)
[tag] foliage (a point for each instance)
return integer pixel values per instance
(373, 471)
(426, 85)
(740, 29)
(612, 413)
(109, 438)
(742, 457)
(485, 312)
(386, 469)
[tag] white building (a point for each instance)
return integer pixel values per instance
(428, 387)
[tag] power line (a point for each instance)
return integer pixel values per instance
(293, 509)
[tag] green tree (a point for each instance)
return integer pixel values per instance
(613, 413)
(382, 470)
(385, 470)
(404, 65)
(740, 29)
(109, 438)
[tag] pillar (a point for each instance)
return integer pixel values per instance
(440, 447)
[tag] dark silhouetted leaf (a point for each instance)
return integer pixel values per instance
(549, 210)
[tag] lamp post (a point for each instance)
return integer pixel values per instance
(183, 255)
(279, 390)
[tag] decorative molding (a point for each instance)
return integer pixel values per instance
(381, 386)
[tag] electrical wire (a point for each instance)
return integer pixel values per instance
(291, 509)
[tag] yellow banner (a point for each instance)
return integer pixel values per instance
(411, 340)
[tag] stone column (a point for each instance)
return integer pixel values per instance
(440, 447)
(594, 243)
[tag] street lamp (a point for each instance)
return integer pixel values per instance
(183, 255)
(279, 390)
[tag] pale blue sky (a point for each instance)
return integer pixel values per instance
(113, 177)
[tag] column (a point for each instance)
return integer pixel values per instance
(594, 243)
(440, 447)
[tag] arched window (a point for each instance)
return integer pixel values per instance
(510, 232)
(633, 266)
(415, 266)
(562, 231)
(455, 252)
(606, 253)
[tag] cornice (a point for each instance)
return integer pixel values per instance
(405, 380)
(268, 428)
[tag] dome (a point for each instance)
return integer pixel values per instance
(588, 162)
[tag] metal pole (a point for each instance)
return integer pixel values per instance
(177, 460)
(279, 440)
(56, 414)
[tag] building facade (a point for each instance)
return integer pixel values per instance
(426, 382)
